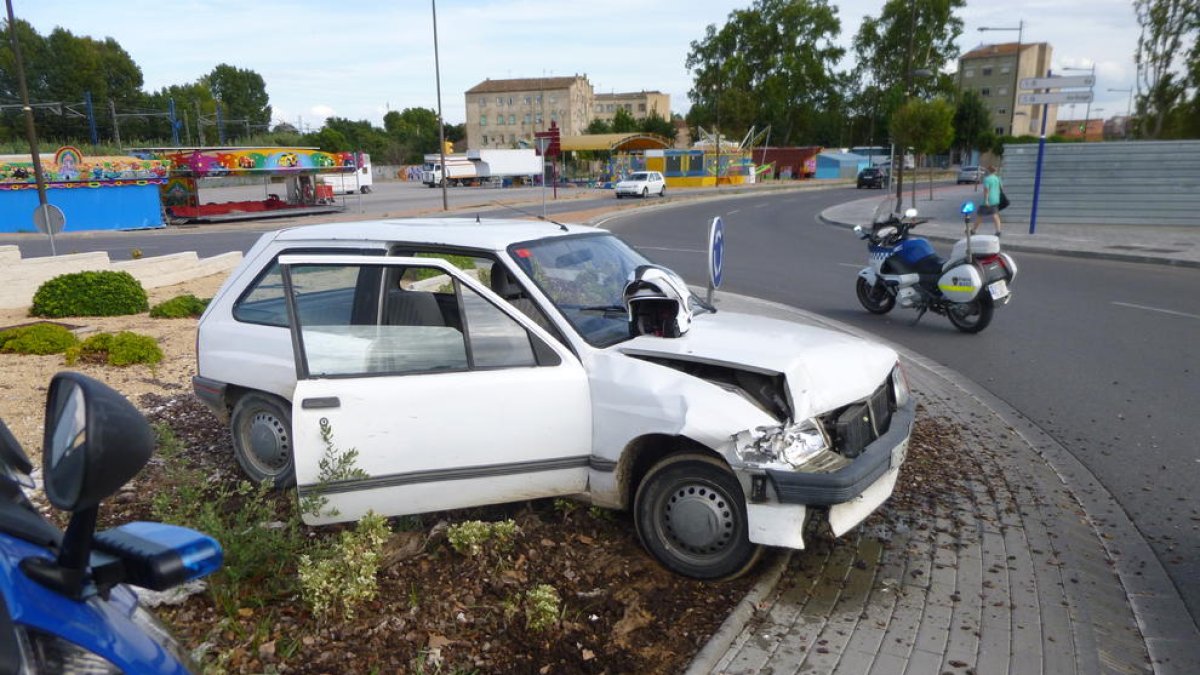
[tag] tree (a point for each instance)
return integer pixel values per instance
(655, 124)
(623, 122)
(907, 36)
(599, 126)
(1166, 25)
(415, 133)
(925, 126)
(771, 64)
(243, 96)
(972, 122)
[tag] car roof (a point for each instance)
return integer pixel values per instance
(494, 234)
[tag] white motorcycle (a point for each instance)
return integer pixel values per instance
(966, 287)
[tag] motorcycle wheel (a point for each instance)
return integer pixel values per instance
(874, 298)
(973, 316)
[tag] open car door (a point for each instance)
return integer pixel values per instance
(418, 389)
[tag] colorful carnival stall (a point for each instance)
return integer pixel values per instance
(94, 193)
(288, 176)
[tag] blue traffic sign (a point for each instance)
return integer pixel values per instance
(716, 252)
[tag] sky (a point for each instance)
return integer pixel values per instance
(360, 59)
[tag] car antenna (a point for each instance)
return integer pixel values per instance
(532, 215)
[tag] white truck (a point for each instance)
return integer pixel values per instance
(349, 183)
(482, 166)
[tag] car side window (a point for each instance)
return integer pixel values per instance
(403, 320)
(263, 301)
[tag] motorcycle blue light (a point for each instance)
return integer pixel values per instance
(159, 556)
(968, 208)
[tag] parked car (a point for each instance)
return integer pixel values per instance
(642, 184)
(870, 177)
(969, 174)
(473, 363)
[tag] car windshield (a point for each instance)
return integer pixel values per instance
(638, 176)
(585, 278)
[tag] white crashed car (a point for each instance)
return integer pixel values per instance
(641, 184)
(473, 363)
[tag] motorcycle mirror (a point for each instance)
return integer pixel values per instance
(95, 442)
(910, 213)
(968, 208)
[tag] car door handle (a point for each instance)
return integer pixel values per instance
(323, 402)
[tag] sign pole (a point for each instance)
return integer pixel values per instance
(1037, 176)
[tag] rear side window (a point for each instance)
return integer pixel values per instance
(263, 301)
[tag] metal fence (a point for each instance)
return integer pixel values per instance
(1113, 183)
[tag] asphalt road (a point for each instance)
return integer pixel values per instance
(1100, 354)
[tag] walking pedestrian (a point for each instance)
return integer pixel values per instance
(991, 200)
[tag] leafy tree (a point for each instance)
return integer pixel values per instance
(329, 139)
(972, 122)
(243, 97)
(771, 64)
(907, 36)
(599, 126)
(624, 123)
(413, 133)
(927, 126)
(1166, 25)
(655, 124)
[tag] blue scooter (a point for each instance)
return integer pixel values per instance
(66, 605)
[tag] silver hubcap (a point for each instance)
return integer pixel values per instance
(268, 442)
(699, 519)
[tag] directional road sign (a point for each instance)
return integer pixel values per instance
(1057, 82)
(1055, 97)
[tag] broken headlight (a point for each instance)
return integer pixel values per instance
(788, 446)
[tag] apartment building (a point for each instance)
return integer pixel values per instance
(993, 71)
(639, 104)
(506, 113)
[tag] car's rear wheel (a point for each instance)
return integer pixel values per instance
(691, 515)
(366, 189)
(645, 192)
(262, 439)
(973, 316)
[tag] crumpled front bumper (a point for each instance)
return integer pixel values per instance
(828, 489)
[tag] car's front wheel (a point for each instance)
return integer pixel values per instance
(645, 192)
(262, 439)
(874, 297)
(366, 189)
(691, 515)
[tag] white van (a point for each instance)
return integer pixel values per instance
(349, 183)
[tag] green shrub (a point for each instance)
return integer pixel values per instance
(541, 607)
(104, 293)
(41, 338)
(120, 349)
(469, 537)
(179, 307)
(339, 578)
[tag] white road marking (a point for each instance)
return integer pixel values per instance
(859, 266)
(733, 212)
(1157, 309)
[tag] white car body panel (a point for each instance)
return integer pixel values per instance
(847, 515)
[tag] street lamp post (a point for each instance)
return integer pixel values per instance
(1087, 114)
(1012, 119)
(1128, 111)
(437, 70)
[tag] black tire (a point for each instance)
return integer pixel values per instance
(691, 515)
(262, 439)
(366, 189)
(874, 298)
(974, 316)
(663, 192)
(619, 195)
(645, 192)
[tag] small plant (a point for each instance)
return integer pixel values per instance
(565, 506)
(600, 513)
(469, 537)
(116, 349)
(96, 293)
(335, 465)
(135, 253)
(179, 307)
(338, 579)
(41, 338)
(541, 608)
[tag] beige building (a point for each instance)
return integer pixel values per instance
(506, 113)
(993, 71)
(639, 104)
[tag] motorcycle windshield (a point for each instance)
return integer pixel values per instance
(884, 212)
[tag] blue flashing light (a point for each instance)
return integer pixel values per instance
(159, 556)
(968, 208)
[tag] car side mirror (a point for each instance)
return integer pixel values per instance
(95, 442)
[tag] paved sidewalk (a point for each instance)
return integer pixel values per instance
(1019, 563)
(1164, 245)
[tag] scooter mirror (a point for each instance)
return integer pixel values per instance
(95, 442)
(14, 463)
(910, 213)
(968, 208)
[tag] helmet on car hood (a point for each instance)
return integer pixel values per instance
(657, 302)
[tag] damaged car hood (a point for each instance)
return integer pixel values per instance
(824, 369)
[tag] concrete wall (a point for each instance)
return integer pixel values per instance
(1113, 183)
(25, 275)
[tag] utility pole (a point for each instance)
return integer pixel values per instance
(437, 71)
(112, 107)
(30, 129)
(898, 168)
